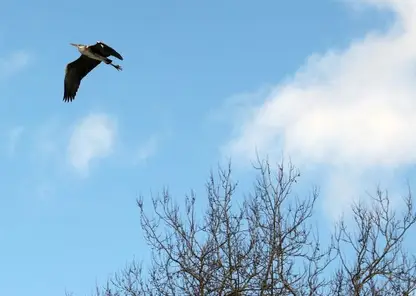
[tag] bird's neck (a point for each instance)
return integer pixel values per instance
(82, 49)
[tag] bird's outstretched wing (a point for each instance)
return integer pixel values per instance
(74, 73)
(105, 50)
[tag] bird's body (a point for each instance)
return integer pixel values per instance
(91, 57)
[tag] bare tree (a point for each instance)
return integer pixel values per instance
(265, 244)
(263, 247)
(378, 261)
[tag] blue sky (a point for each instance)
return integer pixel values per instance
(198, 79)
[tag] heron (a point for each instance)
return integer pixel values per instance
(91, 56)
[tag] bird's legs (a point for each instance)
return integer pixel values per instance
(118, 67)
(110, 62)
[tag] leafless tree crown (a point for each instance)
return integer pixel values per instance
(266, 244)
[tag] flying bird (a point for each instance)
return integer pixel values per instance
(91, 57)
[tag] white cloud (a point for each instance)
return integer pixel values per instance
(14, 137)
(147, 149)
(353, 109)
(48, 139)
(92, 138)
(13, 63)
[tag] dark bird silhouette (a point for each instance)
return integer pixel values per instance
(91, 57)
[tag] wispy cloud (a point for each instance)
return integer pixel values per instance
(13, 63)
(92, 138)
(14, 137)
(352, 110)
(147, 149)
(48, 138)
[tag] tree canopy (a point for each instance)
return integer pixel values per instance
(267, 243)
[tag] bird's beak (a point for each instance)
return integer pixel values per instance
(73, 44)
